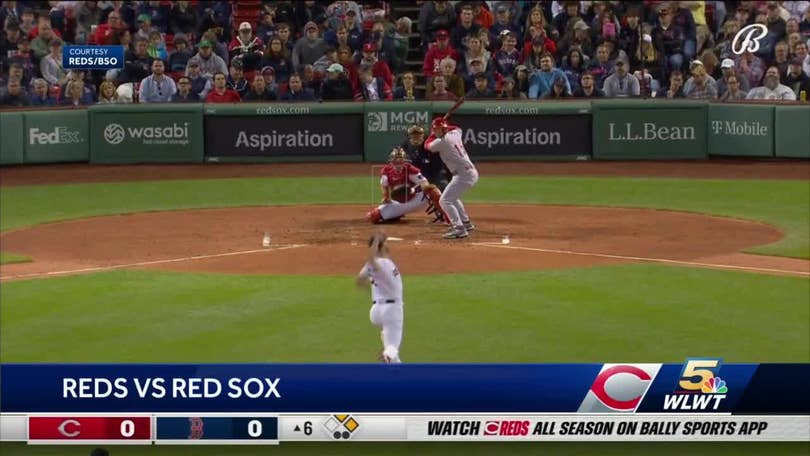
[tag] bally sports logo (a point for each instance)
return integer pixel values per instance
(619, 388)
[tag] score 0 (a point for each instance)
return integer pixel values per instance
(255, 428)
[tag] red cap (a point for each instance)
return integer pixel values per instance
(439, 122)
(369, 47)
(442, 34)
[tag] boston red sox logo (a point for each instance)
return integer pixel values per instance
(195, 428)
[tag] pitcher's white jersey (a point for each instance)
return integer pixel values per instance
(451, 150)
(386, 282)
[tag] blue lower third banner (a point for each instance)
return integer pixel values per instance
(92, 57)
(699, 385)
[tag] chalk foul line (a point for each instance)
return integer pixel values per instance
(645, 259)
(148, 263)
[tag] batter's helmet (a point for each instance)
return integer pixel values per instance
(439, 122)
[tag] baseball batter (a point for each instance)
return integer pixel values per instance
(386, 295)
(445, 139)
(398, 183)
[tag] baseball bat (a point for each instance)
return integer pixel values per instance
(455, 106)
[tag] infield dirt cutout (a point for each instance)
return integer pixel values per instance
(331, 240)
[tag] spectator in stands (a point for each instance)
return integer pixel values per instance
(267, 27)
(12, 36)
(710, 81)
(308, 48)
(221, 92)
(236, 78)
(158, 12)
(733, 90)
(504, 22)
(310, 80)
(336, 87)
(631, 32)
(535, 19)
(577, 37)
(407, 90)
(178, 60)
(476, 51)
(157, 47)
(675, 84)
(354, 31)
(402, 38)
(433, 17)
(246, 47)
(465, 28)
(750, 67)
(438, 89)
(297, 92)
(183, 18)
(144, 26)
(796, 78)
(684, 18)
(24, 57)
(804, 25)
(728, 70)
(15, 71)
(437, 52)
(507, 58)
(200, 85)
(107, 94)
(803, 55)
(781, 57)
(621, 83)
(215, 16)
(137, 63)
(605, 26)
(454, 82)
(777, 28)
(587, 87)
(308, 12)
(41, 95)
(480, 89)
(381, 68)
(27, 19)
(282, 9)
(482, 15)
(105, 30)
(711, 63)
(14, 96)
(508, 90)
(723, 46)
(209, 62)
(157, 87)
(383, 43)
(543, 78)
(120, 37)
(75, 95)
(559, 89)
(125, 92)
(277, 57)
(700, 89)
(573, 66)
(538, 37)
(285, 33)
(372, 88)
(522, 81)
(670, 39)
(41, 45)
(647, 56)
(327, 59)
(270, 84)
(219, 48)
(88, 15)
(258, 91)
(477, 66)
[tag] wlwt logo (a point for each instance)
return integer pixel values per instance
(619, 388)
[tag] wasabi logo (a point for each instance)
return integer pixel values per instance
(395, 121)
(175, 133)
(114, 134)
(59, 135)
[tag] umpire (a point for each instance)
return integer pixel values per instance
(431, 165)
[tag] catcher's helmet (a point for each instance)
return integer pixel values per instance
(397, 155)
(439, 122)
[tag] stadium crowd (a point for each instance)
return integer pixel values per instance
(191, 51)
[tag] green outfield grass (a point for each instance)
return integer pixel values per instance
(785, 204)
(640, 313)
(8, 258)
(410, 449)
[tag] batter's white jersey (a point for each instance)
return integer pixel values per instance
(451, 150)
(386, 282)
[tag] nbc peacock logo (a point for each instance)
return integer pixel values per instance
(714, 385)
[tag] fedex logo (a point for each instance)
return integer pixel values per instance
(619, 388)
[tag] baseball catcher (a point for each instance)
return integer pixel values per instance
(404, 190)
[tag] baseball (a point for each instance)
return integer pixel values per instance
(505, 240)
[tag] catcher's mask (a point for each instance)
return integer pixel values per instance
(398, 157)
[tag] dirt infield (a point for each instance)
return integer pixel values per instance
(716, 168)
(330, 240)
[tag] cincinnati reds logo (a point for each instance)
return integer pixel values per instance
(618, 388)
(751, 36)
(63, 428)
(195, 428)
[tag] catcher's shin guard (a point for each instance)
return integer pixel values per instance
(433, 194)
(374, 216)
